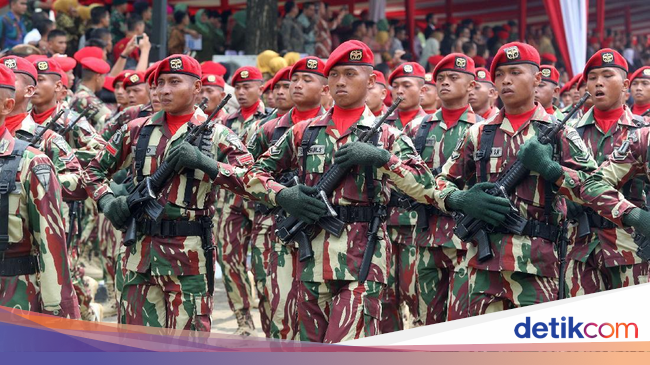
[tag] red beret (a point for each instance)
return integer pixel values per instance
(64, 80)
(7, 78)
(48, 67)
(643, 73)
(247, 73)
(95, 52)
(309, 64)
(213, 80)
(179, 64)
(548, 57)
(282, 75)
(267, 86)
(573, 82)
(379, 78)
(479, 61)
(565, 89)
(108, 83)
(120, 77)
(20, 65)
(96, 65)
(550, 74)
(434, 60)
(428, 79)
(213, 68)
(148, 75)
(483, 75)
(455, 62)
(581, 81)
(407, 69)
(66, 63)
(134, 79)
(354, 53)
(35, 57)
(605, 57)
(514, 53)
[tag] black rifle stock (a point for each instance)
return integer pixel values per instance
(472, 229)
(294, 229)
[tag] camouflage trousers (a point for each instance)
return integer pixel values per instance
(168, 301)
(24, 292)
(262, 237)
(494, 291)
(391, 309)
(353, 309)
(406, 268)
(233, 232)
(444, 284)
(282, 292)
(593, 276)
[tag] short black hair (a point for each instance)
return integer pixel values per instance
(356, 25)
(99, 33)
(468, 46)
(97, 14)
(96, 42)
(133, 21)
(44, 26)
(307, 5)
(179, 16)
(288, 6)
(429, 17)
(56, 33)
(87, 74)
(140, 7)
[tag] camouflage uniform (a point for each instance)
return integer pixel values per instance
(273, 262)
(116, 122)
(442, 264)
(402, 276)
(524, 269)
(118, 25)
(35, 273)
(329, 291)
(85, 98)
(165, 284)
(233, 226)
(606, 258)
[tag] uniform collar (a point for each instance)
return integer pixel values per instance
(367, 119)
(540, 115)
(468, 117)
(627, 119)
(158, 120)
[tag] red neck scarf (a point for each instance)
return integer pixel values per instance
(606, 119)
(407, 116)
(344, 118)
(517, 120)
(487, 113)
(246, 112)
(640, 109)
(14, 122)
(298, 116)
(174, 122)
(378, 112)
(2, 130)
(550, 110)
(42, 117)
(451, 116)
(431, 111)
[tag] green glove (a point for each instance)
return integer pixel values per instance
(478, 204)
(119, 189)
(115, 209)
(539, 157)
(361, 154)
(297, 201)
(639, 219)
(574, 210)
(187, 156)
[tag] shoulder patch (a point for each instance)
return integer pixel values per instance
(43, 173)
(235, 141)
(62, 144)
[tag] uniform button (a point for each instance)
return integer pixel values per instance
(571, 182)
(615, 212)
(56, 312)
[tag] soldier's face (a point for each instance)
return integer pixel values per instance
(575, 94)
(138, 94)
(349, 85)
(376, 96)
(268, 98)
(214, 94)
(567, 99)
(410, 89)
(516, 84)
(120, 94)
(177, 93)
(281, 96)
(58, 44)
(155, 100)
(307, 89)
(429, 97)
(544, 93)
(606, 85)
(248, 93)
(479, 97)
(640, 90)
(453, 86)
(46, 89)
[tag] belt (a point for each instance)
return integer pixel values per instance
(535, 228)
(351, 213)
(597, 221)
(21, 265)
(167, 228)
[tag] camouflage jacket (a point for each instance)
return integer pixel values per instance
(120, 118)
(118, 25)
(533, 255)
(617, 243)
(84, 98)
(440, 143)
(170, 255)
(340, 258)
(65, 162)
(83, 138)
(36, 228)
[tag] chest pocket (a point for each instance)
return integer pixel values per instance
(10, 192)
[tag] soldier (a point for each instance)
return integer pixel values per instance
(429, 101)
(212, 89)
(329, 289)
(120, 94)
(136, 89)
(34, 272)
(93, 72)
(565, 96)
(233, 227)
(280, 284)
(640, 89)
(582, 89)
(165, 284)
(606, 258)
(548, 91)
(442, 261)
(484, 94)
(524, 268)
(377, 95)
(572, 90)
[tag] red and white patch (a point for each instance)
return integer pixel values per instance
(111, 149)
(245, 159)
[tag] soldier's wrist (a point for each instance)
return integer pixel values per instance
(455, 200)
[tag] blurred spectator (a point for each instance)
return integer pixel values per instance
(358, 30)
(12, 26)
(308, 20)
(142, 9)
(68, 20)
(546, 41)
(99, 18)
(238, 34)
(176, 42)
(118, 19)
(218, 35)
(323, 36)
(431, 47)
(431, 27)
(56, 42)
(291, 34)
(134, 28)
(102, 38)
(42, 26)
(398, 35)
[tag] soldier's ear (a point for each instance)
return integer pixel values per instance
(29, 92)
(8, 104)
(197, 86)
(626, 83)
(325, 90)
(58, 86)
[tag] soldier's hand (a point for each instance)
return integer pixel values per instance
(361, 154)
(297, 201)
(185, 155)
(115, 209)
(538, 157)
(478, 204)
